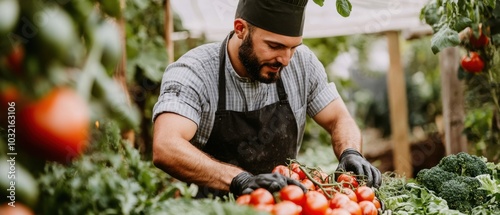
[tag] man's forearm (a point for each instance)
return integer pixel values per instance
(345, 134)
(185, 162)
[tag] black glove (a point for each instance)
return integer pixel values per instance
(352, 161)
(245, 183)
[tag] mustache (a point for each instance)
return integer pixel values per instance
(276, 64)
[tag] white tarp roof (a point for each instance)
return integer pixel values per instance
(214, 18)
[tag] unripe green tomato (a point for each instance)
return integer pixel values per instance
(109, 38)
(57, 32)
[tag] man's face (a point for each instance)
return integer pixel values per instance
(264, 55)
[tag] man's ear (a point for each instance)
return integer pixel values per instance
(240, 28)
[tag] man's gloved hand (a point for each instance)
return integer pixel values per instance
(352, 161)
(245, 183)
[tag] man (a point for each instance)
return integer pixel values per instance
(229, 112)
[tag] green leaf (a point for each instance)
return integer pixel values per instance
(344, 7)
(444, 38)
(319, 2)
(461, 23)
(429, 13)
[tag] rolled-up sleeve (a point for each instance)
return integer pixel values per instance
(321, 92)
(178, 94)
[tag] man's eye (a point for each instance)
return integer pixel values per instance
(274, 46)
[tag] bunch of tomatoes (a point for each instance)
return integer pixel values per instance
(324, 195)
(473, 62)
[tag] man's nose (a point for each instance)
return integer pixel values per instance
(285, 56)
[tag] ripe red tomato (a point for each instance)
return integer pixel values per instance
(376, 202)
(368, 208)
(284, 170)
(472, 64)
(20, 209)
(261, 196)
(339, 211)
(15, 59)
(350, 193)
(56, 127)
(296, 168)
(338, 200)
(243, 199)
(365, 193)
(320, 176)
(348, 181)
(292, 193)
(264, 207)
(479, 42)
(352, 207)
(286, 208)
(315, 203)
(308, 184)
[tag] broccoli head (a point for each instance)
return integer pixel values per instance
(464, 164)
(434, 177)
(477, 196)
(456, 194)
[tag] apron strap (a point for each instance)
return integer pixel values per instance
(221, 105)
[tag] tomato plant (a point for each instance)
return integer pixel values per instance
(365, 193)
(56, 127)
(472, 63)
(292, 193)
(261, 196)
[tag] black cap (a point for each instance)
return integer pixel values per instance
(285, 17)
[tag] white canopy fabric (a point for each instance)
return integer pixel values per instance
(214, 18)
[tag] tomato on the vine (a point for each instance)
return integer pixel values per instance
(292, 193)
(365, 193)
(350, 193)
(352, 207)
(308, 184)
(315, 203)
(261, 196)
(376, 202)
(286, 208)
(348, 181)
(338, 200)
(56, 127)
(15, 59)
(339, 211)
(472, 63)
(479, 42)
(368, 208)
(284, 170)
(296, 168)
(243, 199)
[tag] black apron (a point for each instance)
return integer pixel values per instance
(255, 141)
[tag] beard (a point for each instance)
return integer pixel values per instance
(250, 61)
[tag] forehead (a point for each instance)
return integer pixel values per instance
(260, 34)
